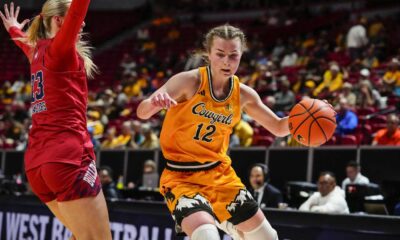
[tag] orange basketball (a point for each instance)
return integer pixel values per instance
(312, 122)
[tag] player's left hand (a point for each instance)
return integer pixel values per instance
(10, 17)
(163, 100)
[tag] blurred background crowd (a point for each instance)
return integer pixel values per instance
(347, 52)
(293, 52)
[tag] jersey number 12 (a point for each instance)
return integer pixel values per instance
(210, 129)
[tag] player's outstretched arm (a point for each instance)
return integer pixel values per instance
(251, 103)
(13, 27)
(177, 89)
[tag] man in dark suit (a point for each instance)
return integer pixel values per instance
(264, 193)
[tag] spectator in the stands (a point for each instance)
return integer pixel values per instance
(279, 49)
(285, 98)
(290, 58)
(127, 65)
(263, 192)
(244, 132)
(354, 176)
(138, 136)
(357, 39)
(110, 139)
(329, 198)
(151, 140)
(143, 34)
(95, 124)
(332, 81)
(348, 94)
(107, 182)
(346, 119)
(370, 60)
(150, 177)
(123, 140)
(391, 79)
(389, 135)
(368, 95)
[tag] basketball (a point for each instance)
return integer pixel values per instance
(312, 122)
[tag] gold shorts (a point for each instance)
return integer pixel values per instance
(218, 191)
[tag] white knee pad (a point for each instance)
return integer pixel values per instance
(229, 229)
(264, 232)
(206, 232)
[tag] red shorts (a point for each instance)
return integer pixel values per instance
(63, 181)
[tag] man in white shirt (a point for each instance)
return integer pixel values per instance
(329, 198)
(357, 39)
(353, 175)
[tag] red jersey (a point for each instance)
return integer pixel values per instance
(59, 94)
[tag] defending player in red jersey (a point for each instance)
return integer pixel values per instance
(60, 161)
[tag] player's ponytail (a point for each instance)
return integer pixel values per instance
(40, 28)
(36, 30)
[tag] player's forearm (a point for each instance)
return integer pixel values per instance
(16, 34)
(146, 109)
(282, 129)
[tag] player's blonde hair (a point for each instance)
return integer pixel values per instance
(226, 32)
(40, 28)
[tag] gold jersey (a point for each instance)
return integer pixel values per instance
(198, 130)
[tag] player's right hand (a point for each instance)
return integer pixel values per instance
(10, 17)
(163, 100)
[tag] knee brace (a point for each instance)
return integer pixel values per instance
(263, 231)
(206, 232)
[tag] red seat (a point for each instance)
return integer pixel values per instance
(378, 126)
(364, 134)
(263, 141)
(377, 119)
(365, 111)
(331, 141)
(348, 140)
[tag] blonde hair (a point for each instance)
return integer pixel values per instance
(226, 32)
(40, 28)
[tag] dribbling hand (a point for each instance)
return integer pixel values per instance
(9, 17)
(163, 100)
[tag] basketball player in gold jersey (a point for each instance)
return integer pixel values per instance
(199, 184)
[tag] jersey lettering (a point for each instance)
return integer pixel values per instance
(37, 84)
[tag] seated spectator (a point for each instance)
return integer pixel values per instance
(127, 65)
(244, 132)
(234, 141)
(368, 96)
(346, 120)
(151, 140)
(392, 76)
(329, 198)
(278, 49)
(125, 137)
(150, 176)
(263, 192)
(95, 124)
(354, 175)
(370, 60)
(290, 58)
(107, 182)
(110, 139)
(347, 94)
(389, 135)
(285, 98)
(333, 81)
(138, 136)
